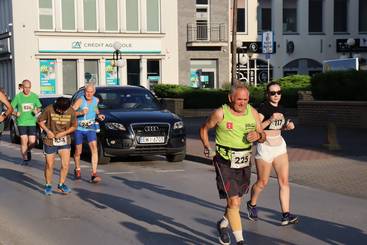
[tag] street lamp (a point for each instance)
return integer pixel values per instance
(350, 43)
(117, 58)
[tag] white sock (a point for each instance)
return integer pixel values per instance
(224, 223)
(238, 235)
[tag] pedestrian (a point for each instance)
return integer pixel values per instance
(272, 154)
(86, 108)
(237, 126)
(20, 87)
(27, 106)
(4, 101)
(58, 121)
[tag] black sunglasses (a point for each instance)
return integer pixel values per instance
(272, 93)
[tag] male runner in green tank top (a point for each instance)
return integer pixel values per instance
(237, 127)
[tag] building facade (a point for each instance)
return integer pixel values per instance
(306, 32)
(203, 43)
(60, 45)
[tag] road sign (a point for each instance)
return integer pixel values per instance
(268, 42)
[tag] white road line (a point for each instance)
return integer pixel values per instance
(169, 171)
(112, 173)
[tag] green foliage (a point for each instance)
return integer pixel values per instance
(340, 85)
(195, 98)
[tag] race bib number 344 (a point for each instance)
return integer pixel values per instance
(240, 159)
(60, 141)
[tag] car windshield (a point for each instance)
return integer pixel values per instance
(47, 101)
(112, 99)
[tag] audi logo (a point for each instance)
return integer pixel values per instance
(151, 128)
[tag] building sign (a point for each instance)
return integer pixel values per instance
(47, 76)
(267, 42)
(111, 74)
(254, 47)
(98, 45)
(359, 46)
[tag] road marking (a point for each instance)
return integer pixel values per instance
(169, 171)
(126, 172)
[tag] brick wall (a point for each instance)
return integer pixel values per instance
(351, 114)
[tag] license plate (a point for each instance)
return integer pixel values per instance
(151, 140)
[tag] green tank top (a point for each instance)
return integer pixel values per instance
(231, 132)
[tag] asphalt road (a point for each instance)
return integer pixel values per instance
(151, 201)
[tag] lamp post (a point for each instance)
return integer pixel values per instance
(350, 43)
(117, 58)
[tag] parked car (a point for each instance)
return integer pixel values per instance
(136, 125)
(14, 131)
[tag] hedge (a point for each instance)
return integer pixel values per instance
(195, 98)
(340, 85)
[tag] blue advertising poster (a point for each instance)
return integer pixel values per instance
(47, 76)
(111, 74)
(341, 64)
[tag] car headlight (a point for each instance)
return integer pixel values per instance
(115, 126)
(178, 125)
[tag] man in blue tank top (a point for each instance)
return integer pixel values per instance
(86, 108)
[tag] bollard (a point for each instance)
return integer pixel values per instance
(331, 138)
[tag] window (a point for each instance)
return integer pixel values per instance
(241, 16)
(202, 21)
(264, 12)
(289, 16)
(132, 15)
(111, 15)
(68, 14)
(201, 1)
(362, 16)
(45, 15)
(153, 15)
(340, 15)
(91, 71)
(90, 15)
(70, 76)
(315, 16)
(133, 72)
(153, 72)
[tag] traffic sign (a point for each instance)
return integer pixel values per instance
(268, 42)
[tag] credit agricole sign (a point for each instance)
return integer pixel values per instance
(97, 45)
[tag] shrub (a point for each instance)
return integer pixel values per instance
(290, 87)
(340, 85)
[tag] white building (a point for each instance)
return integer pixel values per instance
(59, 45)
(306, 32)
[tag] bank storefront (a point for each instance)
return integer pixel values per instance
(67, 63)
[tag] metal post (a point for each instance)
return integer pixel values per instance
(234, 39)
(268, 70)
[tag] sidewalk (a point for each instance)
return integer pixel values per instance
(311, 164)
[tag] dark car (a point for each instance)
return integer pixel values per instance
(14, 131)
(136, 125)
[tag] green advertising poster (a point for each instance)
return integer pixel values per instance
(111, 74)
(48, 76)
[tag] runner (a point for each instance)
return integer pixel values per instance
(9, 109)
(27, 106)
(237, 127)
(86, 108)
(272, 153)
(58, 121)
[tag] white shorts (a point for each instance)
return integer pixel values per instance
(268, 153)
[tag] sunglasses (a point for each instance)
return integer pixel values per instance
(272, 93)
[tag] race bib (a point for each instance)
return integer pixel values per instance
(59, 141)
(240, 159)
(26, 107)
(86, 123)
(277, 124)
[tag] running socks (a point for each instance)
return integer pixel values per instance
(234, 219)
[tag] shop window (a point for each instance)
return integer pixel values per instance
(133, 72)
(91, 71)
(153, 72)
(70, 76)
(203, 73)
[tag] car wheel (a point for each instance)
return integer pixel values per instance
(176, 157)
(102, 159)
(13, 137)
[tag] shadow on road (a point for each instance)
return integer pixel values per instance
(20, 178)
(139, 185)
(127, 207)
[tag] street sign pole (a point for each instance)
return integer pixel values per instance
(268, 47)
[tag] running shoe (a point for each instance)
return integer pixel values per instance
(252, 211)
(77, 174)
(48, 190)
(224, 237)
(63, 188)
(95, 179)
(289, 218)
(241, 242)
(29, 155)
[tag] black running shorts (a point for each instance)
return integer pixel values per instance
(234, 182)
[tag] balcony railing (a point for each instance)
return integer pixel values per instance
(206, 33)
